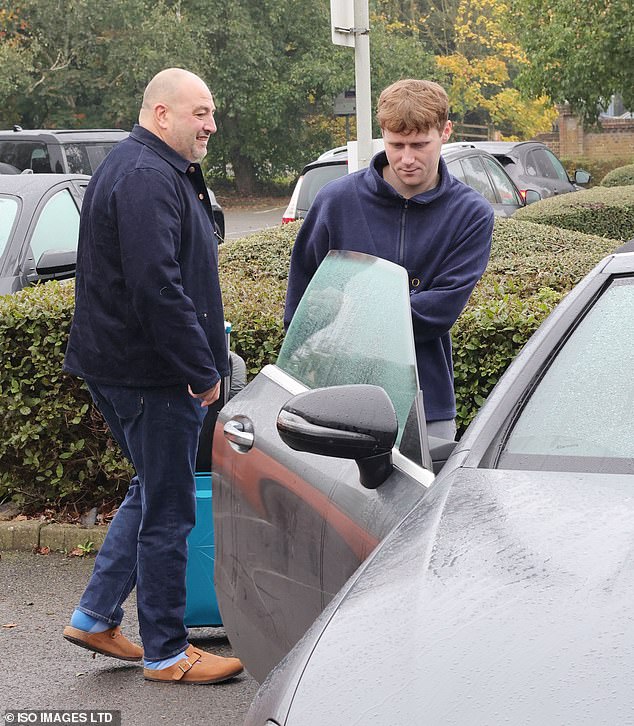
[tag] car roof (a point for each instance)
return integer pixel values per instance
(26, 184)
(502, 147)
(65, 134)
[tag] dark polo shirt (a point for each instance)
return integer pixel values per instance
(148, 307)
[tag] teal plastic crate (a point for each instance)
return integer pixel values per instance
(202, 606)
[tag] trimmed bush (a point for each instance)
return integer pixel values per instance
(606, 212)
(56, 450)
(253, 273)
(621, 177)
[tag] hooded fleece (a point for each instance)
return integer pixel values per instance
(442, 237)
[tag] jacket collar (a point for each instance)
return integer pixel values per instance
(377, 183)
(147, 138)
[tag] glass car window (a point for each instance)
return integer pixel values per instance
(314, 179)
(455, 169)
(505, 188)
(557, 165)
(580, 417)
(85, 158)
(23, 154)
(57, 227)
(476, 177)
(540, 164)
(354, 325)
(8, 214)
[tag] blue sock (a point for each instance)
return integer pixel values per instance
(81, 621)
(158, 665)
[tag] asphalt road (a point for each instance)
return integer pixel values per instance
(41, 670)
(242, 221)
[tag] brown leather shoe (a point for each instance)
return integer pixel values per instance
(109, 642)
(199, 667)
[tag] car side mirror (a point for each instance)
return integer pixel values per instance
(351, 422)
(57, 262)
(582, 177)
(531, 196)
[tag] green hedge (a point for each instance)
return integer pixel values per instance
(54, 447)
(621, 177)
(602, 211)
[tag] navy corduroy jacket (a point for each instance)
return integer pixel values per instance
(148, 306)
(441, 237)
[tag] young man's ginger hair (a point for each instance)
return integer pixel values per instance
(410, 105)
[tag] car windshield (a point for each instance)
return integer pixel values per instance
(8, 214)
(580, 417)
(353, 325)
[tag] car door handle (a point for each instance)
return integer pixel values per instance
(239, 433)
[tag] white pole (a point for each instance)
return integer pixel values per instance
(362, 82)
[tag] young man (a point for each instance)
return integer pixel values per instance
(148, 337)
(407, 208)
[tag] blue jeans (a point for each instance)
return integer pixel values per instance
(146, 545)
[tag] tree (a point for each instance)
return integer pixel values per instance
(481, 71)
(581, 51)
(84, 63)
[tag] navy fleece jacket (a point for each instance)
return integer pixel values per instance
(441, 237)
(148, 306)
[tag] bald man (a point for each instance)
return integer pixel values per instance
(148, 338)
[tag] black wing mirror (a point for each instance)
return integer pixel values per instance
(351, 422)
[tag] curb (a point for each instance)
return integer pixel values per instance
(30, 535)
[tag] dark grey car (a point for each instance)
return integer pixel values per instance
(39, 227)
(532, 165)
(504, 594)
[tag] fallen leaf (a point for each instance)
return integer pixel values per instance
(21, 517)
(43, 550)
(76, 553)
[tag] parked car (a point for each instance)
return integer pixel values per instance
(39, 227)
(473, 166)
(57, 151)
(504, 593)
(532, 165)
(68, 151)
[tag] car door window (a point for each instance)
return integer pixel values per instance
(580, 416)
(57, 227)
(539, 162)
(561, 173)
(476, 177)
(8, 215)
(455, 169)
(505, 188)
(85, 158)
(354, 325)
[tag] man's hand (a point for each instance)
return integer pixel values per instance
(206, 397)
